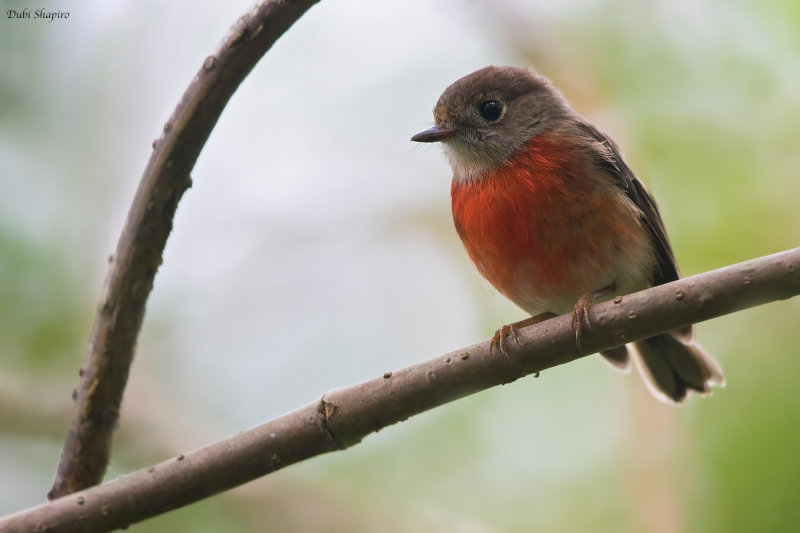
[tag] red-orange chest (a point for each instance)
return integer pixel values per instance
(541, 230)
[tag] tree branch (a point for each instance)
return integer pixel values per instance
(343, 417)
(129, 281)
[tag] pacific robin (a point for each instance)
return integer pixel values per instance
(555, 219)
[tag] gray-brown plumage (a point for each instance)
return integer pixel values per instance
(554, 218)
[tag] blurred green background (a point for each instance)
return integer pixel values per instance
(316, 250)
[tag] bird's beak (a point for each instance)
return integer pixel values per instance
(434, 134)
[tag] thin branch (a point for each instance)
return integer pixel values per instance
(133, 266)
(343, 417)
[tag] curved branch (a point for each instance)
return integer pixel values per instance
(345, 416)
(129, 281)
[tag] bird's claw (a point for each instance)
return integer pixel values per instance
(580, 318)
(510, 330)
(499, 341)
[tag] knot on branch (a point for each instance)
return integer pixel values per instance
(326, 411)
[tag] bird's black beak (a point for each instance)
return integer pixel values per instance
(434, 134)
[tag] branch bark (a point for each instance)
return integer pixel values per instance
(343, 417)
(133, 267)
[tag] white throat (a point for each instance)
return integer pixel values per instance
(466, 169)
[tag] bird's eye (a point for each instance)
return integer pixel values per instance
(491, 110)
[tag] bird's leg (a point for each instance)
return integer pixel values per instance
(499, 339)
(580, 316)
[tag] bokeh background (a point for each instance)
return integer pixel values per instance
(316, 250)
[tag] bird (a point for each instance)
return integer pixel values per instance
(555, 219)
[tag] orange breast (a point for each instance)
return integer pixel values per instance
(544, 230)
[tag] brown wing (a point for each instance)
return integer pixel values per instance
(671, 363)
(608, 156)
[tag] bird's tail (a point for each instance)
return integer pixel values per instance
(672, 364)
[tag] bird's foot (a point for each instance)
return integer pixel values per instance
(499, 340)
(580, 315)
